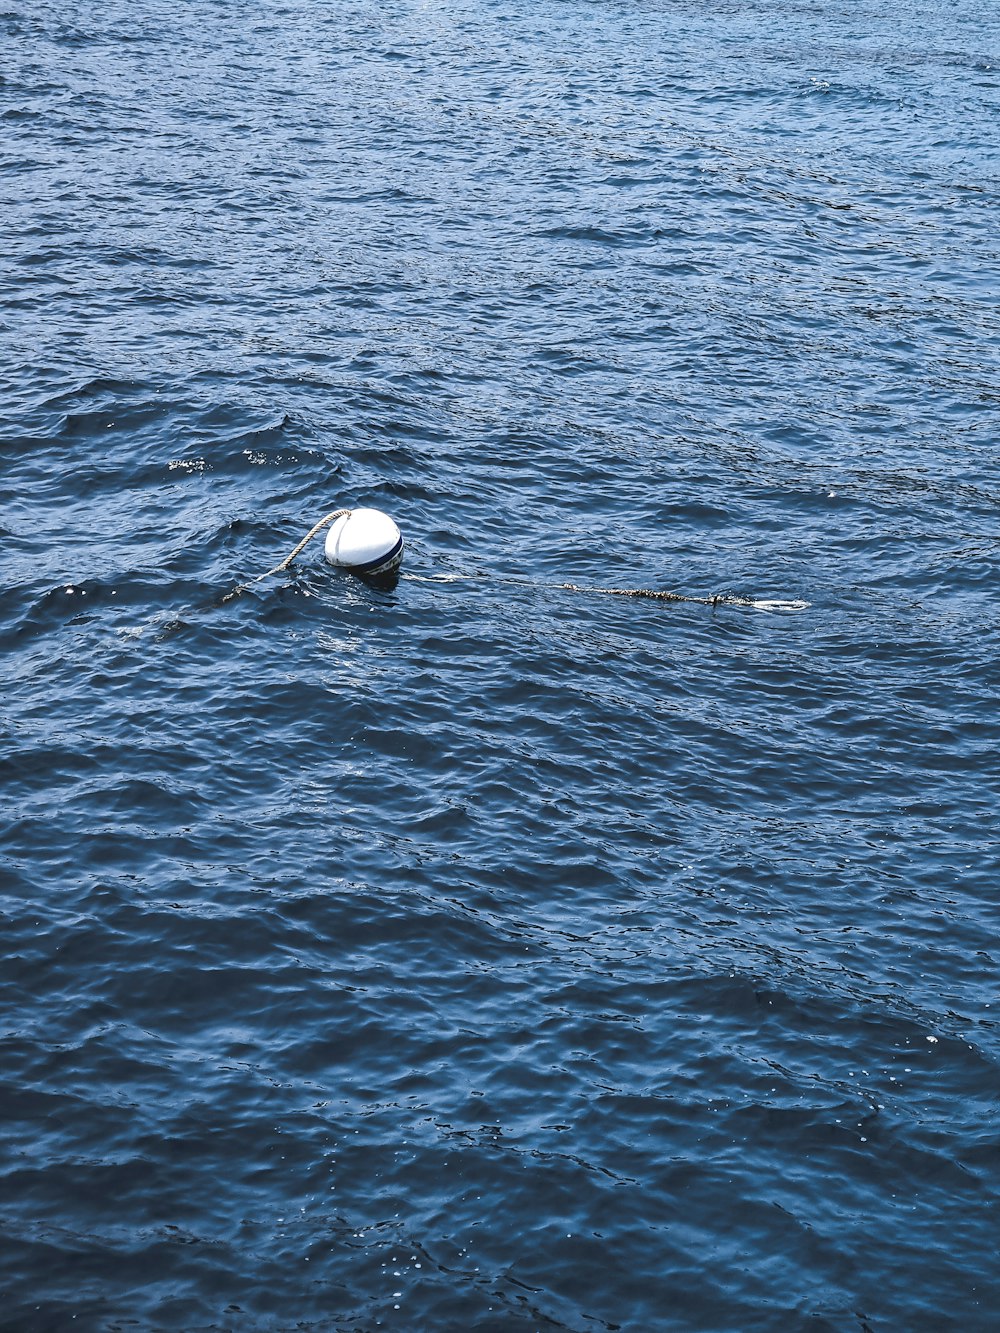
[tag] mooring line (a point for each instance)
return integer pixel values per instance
(280, 568)
(717, 599)
(656, 595)
(651, 594)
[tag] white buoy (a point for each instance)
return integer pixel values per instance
(365, 541)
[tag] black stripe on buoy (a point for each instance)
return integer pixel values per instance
(373, 566)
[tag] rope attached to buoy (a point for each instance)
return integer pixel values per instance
(654, 594)
(651, 594)
(718, 599)
(280, 568)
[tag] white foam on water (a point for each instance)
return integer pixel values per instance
(777, 604)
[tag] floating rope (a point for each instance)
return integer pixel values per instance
(718, 599)
(280, 569)
(652, 594)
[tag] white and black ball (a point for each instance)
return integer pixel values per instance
(365, 541)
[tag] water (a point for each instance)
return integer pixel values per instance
(479, 954)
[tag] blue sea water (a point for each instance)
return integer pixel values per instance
(477, 954)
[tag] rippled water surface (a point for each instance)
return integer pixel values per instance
(478, 954)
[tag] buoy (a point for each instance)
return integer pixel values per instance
(366, 542)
